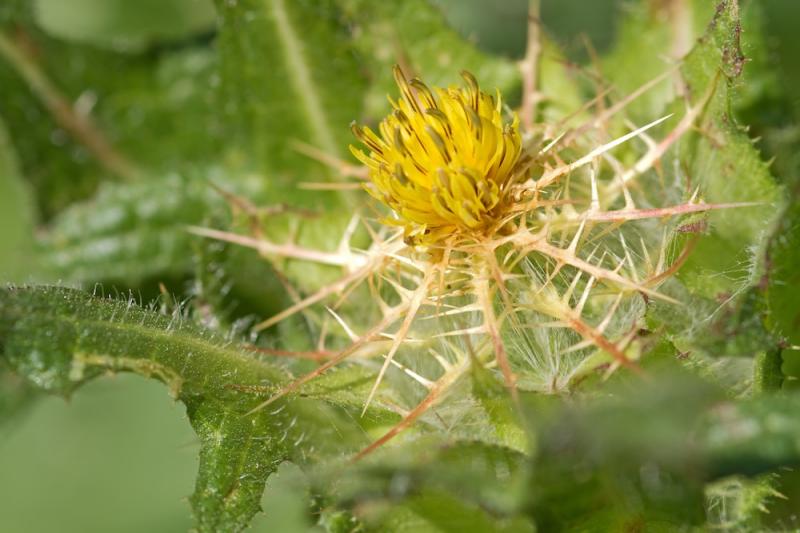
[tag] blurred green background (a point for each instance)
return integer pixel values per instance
(111, 442)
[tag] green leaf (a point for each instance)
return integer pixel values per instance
(59, 338)
(651, 38)
(76, 126)
(136, 236)
(727, 166)
(440, 512)
(586, 474)
(722, 279)
(121, 24)
(493, 397)
(288, 74)
(16, 214)
(39, 157)
(130, 233)
(593, 471)
(740, 504)
(429, 473)
(769, 442)
(783, 291)
(415, 34)
(161, 113)
(769, 375)
(236, 283)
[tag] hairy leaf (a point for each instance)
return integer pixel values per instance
(59, 338)
(723, 273)
(784, 275)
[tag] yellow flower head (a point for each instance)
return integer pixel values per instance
(444, 161)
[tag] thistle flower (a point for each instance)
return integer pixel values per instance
(445, 161)
(458, 182)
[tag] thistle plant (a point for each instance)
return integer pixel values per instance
(489, 227)
(551, 294)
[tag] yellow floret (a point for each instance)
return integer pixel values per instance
(444, 161)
